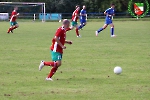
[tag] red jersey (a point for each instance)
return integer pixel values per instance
(61, 34)
(74, 15)
(13, 18)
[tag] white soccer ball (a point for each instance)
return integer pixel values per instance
(117, 70)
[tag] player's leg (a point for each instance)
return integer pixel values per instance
(44, 63)
(16, 25)
(104, 26)
(72, 26)
(82, 24)
(55, 63)
(101, 29)
(112, 30)
(54, 69)
(56, 57)
(77, 31)
(11, 27)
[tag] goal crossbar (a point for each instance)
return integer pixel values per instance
(28, 3)
(39, 3)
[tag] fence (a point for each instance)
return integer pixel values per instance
(32, 16)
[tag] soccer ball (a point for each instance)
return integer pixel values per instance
(117, 70)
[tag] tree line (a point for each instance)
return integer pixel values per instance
(67, 6)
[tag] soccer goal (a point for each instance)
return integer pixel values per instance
(27, 10)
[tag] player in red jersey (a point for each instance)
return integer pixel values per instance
(13, 22)
(56, 49)
(75, 17)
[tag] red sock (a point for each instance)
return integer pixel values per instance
(68, 29)
(50, 63)
(52, 72)
(77, 31)
(14, 27)
(10, 29)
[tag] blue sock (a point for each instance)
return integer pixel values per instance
(84, 25)
(80, 27)
(112, 31)
(100, 30)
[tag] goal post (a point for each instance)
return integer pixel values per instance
(26, 4)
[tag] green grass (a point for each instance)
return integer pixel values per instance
(87, 69)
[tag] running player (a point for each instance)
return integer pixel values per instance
(75, 17)
(83, 16)
(108, 20)
(13, 22)
(56, 49)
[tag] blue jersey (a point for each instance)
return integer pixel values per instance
(83, 11)
(109, 11)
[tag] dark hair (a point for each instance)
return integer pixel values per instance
(112, 4)
(77, 6)
(15, 7)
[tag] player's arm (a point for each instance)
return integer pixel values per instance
(57, 35)
(59, 43)
(105, 13)
(77, 15)
(15, 14)
(113, 14)
(82, 14)
(68, 41)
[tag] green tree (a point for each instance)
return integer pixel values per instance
(67, 6)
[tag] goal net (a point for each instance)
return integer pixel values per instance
(27, 10)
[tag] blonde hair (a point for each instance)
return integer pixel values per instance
(65, 21)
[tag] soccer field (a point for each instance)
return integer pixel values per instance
(87, 66)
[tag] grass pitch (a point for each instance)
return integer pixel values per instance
(87, 69)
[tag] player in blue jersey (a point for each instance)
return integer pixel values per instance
(83, 17)
(108, 21)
